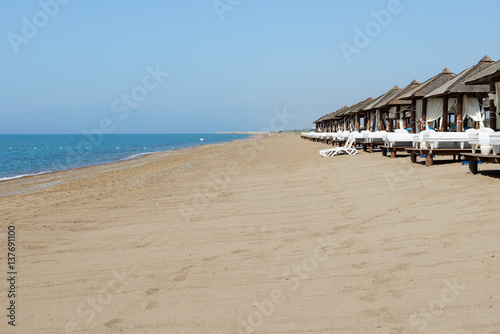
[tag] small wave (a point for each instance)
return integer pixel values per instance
(22, 175)
(135, 156)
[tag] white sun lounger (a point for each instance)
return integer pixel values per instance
(348, 149)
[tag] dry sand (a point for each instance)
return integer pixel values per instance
(262, 235)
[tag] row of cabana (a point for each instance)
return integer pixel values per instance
(438, 102)
(444, 115)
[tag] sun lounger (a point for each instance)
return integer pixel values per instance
(348, 149)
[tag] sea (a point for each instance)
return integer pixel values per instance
(24, 155)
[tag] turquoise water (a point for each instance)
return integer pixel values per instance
(22, 155)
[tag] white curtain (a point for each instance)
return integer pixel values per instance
(473, 109)
(418, 110)
(392, 113)
(434, 109)
(377, 120)
(452, 105)
(497, 95)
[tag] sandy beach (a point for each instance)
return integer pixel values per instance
(261, 235)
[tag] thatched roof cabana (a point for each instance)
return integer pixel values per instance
(490, 76)
(428, 86)
(395, 105)
(484, 77)
(371, 111)
(458, 93)
(416, 95)
(353, 113)
(457, 84)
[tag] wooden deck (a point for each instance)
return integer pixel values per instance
(475, 157)
(429, 161)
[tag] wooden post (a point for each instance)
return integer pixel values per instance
(460, 113)
(413, 119)
(381, 124)
(445, 115)
(369, 121)
(424, 115)
(493, 109)
(428, 159)
(398, 116)
(413, 157)
(473, 165)
(358, 122)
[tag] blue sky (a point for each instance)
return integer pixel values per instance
(233, 74)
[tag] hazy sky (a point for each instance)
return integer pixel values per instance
(159, 66)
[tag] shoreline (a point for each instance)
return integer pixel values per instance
(131, 158)
(42, 180)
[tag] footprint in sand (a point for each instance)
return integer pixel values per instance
(152, 291)
(238, 251)
(210, 258)
(183, 274)
(152, 305)
(360, 265)
(113, 323)
(412, 254)
(368, 298)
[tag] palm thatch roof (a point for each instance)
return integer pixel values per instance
(489, 74)
(340, 112)
(396, 99)
(359, 106)
(428, 86)
(382, 99)
(457, 84)
(322, 118)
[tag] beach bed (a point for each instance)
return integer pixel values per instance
(373, 140)
(430, 153)
(397, 141)
(474, 158)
